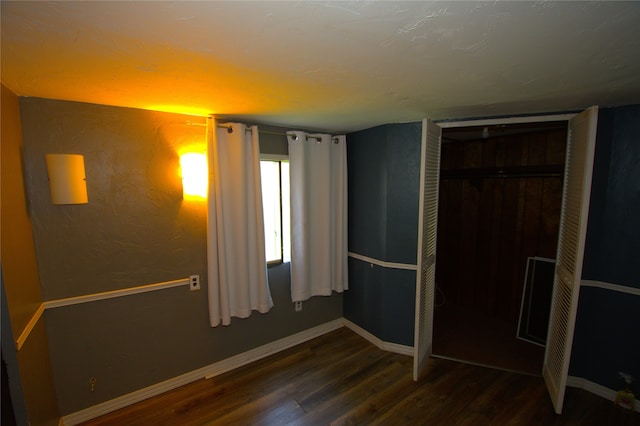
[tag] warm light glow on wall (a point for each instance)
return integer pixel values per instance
(179, 109)
(195, 175)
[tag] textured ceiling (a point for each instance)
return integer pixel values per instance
(335, 66)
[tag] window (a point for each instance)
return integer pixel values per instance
(275, 204)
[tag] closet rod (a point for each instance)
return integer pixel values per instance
(503, 176)
(507, 172)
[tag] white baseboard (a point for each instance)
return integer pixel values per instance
(204, 372)
(385, 346)
(594, 388)
(226, 365)
(271, 348)
(244, 358)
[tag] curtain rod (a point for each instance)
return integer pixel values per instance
(191, 123)
(248, 129)
(318, 139)
(264, 132)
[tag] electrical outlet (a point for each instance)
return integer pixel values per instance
(298, 306)
(194, 282)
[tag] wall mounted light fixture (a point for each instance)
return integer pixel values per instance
(195, 175)
(67, 180)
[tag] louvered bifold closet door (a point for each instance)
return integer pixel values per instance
(573, 225)
(427, 233)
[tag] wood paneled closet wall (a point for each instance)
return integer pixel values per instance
(500, 200)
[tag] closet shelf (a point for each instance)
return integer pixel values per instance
(503, 172)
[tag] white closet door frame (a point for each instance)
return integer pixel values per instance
(425, 276)
(557, 352)
(581, 140)
(427, 235)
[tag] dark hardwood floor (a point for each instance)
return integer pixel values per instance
(462, 334)
(342, 379)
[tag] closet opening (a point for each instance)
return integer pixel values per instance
(500, 196)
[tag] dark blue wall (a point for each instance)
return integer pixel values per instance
(403, 191)
(384, 168)
(382, 301)
(367, 177)
(384, 184)
(606, 338)
(607, 334)
(613, 233)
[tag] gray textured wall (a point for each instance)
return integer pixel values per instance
(17, 248)
(29, 369)
(135, 230)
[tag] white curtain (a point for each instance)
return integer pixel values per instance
(318, 175)
(237, 266)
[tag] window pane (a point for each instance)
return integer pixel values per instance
(286, 214)
(270, 175)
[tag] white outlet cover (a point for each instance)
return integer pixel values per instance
(194, 282)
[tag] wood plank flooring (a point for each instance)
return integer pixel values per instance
(462, 334)
(341, 379)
